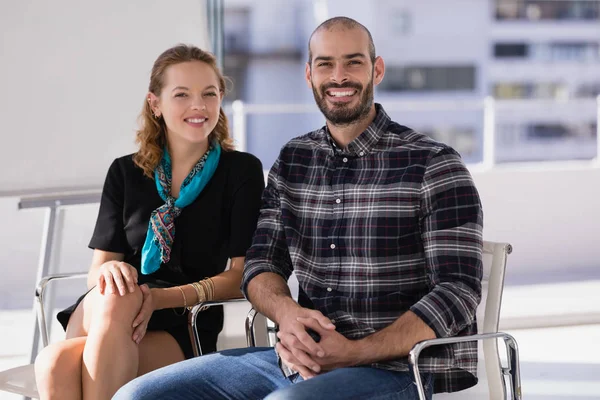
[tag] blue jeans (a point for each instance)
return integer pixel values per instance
(253, 373)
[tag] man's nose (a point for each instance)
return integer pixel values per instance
(339, 74)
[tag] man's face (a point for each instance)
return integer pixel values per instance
(342, 75)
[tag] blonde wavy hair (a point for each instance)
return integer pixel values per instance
(152, 134)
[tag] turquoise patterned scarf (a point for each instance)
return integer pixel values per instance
(161, 228)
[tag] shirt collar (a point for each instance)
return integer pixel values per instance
(366, 141)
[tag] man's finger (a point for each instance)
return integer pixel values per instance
(313, 324)
(288, 358)
(312, 347)
(323, 320)
(294, 346)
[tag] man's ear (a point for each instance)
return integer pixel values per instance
(307, 75)
(378, 70)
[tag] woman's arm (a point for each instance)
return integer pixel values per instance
(227, 286)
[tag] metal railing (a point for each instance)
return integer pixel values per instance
(490, 108)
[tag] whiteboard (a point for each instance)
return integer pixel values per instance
(74, 76)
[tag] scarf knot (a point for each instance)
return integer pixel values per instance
(161, 227)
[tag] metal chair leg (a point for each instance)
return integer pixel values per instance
(513, 369)
(250, 337)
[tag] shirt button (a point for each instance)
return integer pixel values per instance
(329, 289)
(332, 246)
(344, 159)
(338, 201)
(362, 153)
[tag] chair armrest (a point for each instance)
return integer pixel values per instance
(512, 352)
(192, 316)
(43, 283)
(40, 290)
(271, 329)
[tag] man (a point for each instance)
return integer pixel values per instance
(383, 228)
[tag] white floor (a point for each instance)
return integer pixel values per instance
(559, 363)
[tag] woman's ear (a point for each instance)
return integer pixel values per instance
(153, 102)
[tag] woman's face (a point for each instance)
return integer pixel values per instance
(189, 102)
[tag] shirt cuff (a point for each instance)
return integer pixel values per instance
(252, 270)
(432, 310)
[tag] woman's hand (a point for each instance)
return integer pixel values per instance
(117, 277)
(140, 323)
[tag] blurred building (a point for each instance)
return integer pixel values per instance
(540, 60)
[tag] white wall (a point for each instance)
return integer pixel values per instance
(549, 214)
(74, 76)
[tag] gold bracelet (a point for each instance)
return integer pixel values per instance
(211, 284)
(184, 301)
(209, 288)
(200, 294)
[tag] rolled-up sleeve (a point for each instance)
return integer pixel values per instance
(451, 230)
(269, 251)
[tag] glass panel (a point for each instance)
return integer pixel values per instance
(536, 10)
(429, 79)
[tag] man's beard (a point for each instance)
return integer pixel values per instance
(342, 114)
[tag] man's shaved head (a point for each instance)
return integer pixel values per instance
(343, 23)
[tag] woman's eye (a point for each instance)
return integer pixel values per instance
(181, 95)
(211, 94)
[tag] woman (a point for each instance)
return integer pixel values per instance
(170, 217)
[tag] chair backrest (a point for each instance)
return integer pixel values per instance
(489, 371)
(488, 314)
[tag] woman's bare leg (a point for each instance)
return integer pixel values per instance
(58, 370)
(58, 366)
(158, 349)
(110, 356)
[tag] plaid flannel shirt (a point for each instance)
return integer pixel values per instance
(389, 224)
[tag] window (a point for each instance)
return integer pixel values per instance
(460, 138)
(543, 90)
(580, 51)
(546, 131)
(429, 79)
(400, 22)
(588, 90)
(511, 50)
(577, 51)
(535, 10)
(236, 27)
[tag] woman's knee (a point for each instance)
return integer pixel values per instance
(57, 360)
(115, 306)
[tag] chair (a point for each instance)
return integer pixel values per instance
(21, 380)
(488, 315)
